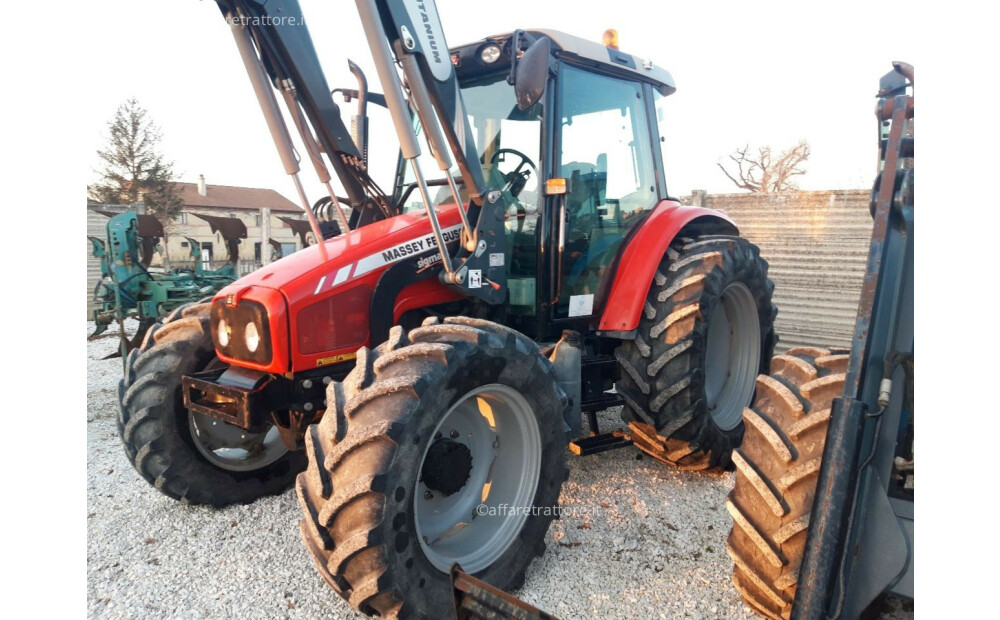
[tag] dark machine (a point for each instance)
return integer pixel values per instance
(861, 541)
(823, 500)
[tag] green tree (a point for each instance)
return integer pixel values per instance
(133, 170)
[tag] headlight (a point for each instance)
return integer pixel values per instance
(490, 54)
(251, 337)
(224, 332)
(243, 332)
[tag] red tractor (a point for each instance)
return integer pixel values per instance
(419, 373)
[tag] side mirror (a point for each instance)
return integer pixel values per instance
(532, 73)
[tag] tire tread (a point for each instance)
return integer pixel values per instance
(343, 524)
(662, 369)
(776, 475)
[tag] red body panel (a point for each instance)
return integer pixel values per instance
(641, 257)
(295, 282)
(423, 294)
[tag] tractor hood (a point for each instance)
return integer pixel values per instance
(351, 255)
(319, 311)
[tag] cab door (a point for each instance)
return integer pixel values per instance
(604, 146)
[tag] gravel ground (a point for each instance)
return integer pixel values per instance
(640, 540)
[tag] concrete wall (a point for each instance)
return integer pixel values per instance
(816, 244)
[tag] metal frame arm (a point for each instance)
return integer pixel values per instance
(289, 58)
(413, 31)
(409, 35)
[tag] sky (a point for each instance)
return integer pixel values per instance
(746, 73)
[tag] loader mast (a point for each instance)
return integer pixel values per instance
(277, 50)
(412, 31)
(861, 534)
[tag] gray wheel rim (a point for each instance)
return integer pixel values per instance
(732, 355)
(477, 523)
(233, 448)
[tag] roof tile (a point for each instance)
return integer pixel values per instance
(229, 197)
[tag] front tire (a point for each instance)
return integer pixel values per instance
(186, 456)
(707, 330)
(777, 469)
(444, 445)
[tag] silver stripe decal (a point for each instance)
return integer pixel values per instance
(320, 285)
(342, 274)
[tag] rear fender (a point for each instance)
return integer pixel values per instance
(642, 256)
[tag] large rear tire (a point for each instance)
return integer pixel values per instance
(443, 445)
(776, 473)
(707, 330)
(187, 456)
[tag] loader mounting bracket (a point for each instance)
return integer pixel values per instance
(482, 272)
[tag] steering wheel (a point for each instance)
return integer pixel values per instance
(517, 178)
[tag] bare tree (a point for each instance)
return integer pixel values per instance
(765, 173)
(132, 168)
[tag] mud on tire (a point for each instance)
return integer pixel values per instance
(358, 492)
(776, 473)
(679, 403)
(155, 428)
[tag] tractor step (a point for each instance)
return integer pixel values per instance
(600, 443)
(605, 401)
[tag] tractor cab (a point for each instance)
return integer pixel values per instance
(593, 122)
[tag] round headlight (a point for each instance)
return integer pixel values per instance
(490, 54)
(252, 338)
(224, 332)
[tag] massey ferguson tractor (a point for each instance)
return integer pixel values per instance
(418, 375)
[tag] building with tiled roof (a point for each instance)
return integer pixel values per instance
(230, 197)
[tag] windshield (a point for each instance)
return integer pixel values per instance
(508, 141)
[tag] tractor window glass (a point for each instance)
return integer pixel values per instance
(509, 142)
(606, 156)
(507, 139)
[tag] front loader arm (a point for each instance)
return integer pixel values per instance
(287, 54)
(414, 31)
(409, 34)
(278, 53)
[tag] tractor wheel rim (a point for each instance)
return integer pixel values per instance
(476, 524)
(232, 448)
(732, 355)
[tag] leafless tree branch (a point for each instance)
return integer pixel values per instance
(763, 173)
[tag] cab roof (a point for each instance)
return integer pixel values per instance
(570, 46)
